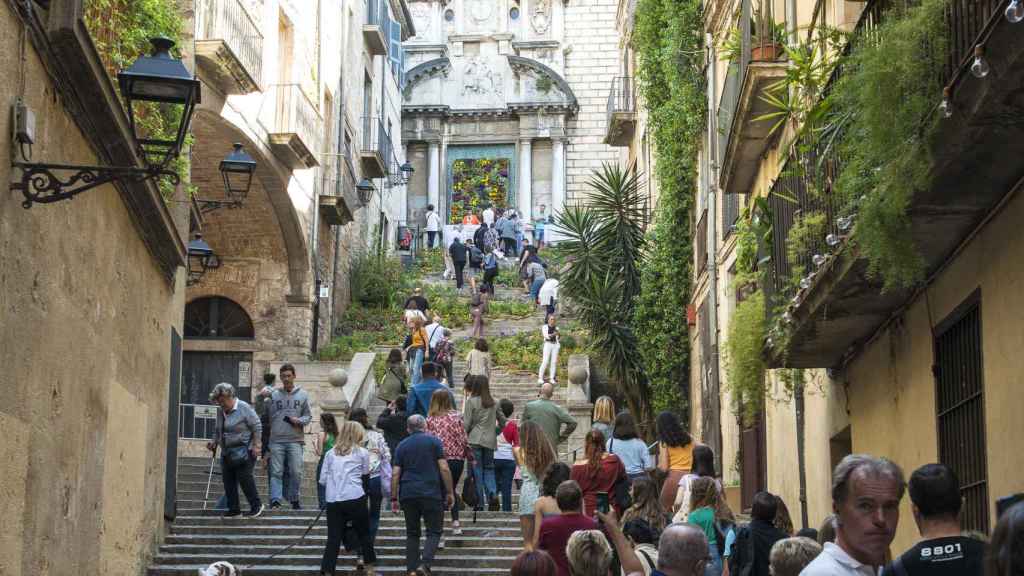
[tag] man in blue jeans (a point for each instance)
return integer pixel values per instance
(422, 483)
(289, 414)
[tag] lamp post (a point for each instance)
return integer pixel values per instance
(237, 170)
(200, 259)
(407, 171)
(158, 80)
(365, 188)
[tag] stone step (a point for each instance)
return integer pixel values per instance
(319, 539)
(317, 547)
(249, 526)
(313, 568)
(308, 515)
(287, 520)
(384, 558)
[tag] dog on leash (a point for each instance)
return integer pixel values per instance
(220, 568)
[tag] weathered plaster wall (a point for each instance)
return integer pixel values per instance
(85, 332)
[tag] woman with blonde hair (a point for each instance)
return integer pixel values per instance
(604, 416)
(705, 503)
(534, 455)
(346, 476)
(419, 342)
(445, 422)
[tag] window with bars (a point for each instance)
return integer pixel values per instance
(730, 213)
(960, 411)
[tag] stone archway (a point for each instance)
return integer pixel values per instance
(214, 135)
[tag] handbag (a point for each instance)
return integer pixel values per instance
(236, 456)
(470, 496)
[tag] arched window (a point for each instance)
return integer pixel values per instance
(216, 317)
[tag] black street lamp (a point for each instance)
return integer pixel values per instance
(149, 86)
(200, 259)
(154, 82)
(237, 170)
(365, 189)
(407, 171)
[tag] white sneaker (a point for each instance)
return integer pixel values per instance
(440, 544)
(456, 528)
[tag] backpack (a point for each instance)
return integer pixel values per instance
(475, 257)
(491, 262)
(741, 561)
(443, 351)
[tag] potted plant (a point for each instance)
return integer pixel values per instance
(767, 36)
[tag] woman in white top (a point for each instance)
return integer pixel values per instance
(551, 345)
(433, 225)
(380, 468)
(346, 475)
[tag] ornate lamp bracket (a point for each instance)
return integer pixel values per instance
(44, 183)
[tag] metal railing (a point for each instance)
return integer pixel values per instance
(727, 106)
(621, 97)
(376, 138)
(229, 21)
(730, 213)
(810, 165)
(295, 113)
(197, 421)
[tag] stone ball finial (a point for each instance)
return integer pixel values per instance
(578, 375)
(338, 377)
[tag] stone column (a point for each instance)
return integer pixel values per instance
(557, 175)
(434, 173)
(525, 179)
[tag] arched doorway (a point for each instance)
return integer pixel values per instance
(222, 326)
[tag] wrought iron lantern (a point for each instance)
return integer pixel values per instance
(237, 170)
(156, 81)
(407, 171)
(200, 259)
(365, 188)
(150, 85)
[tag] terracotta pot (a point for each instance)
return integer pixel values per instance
(765, 52)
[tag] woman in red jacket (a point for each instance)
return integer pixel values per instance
(598, 472)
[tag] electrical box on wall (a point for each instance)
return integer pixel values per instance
(24, 124)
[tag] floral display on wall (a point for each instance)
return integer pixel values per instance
(476, 183)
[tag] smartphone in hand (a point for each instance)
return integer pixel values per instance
(602, 502)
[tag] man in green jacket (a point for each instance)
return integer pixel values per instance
(550, 416)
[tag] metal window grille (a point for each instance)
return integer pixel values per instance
(730, 213)
(960, 411)
(700, 250)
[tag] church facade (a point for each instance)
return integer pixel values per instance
(505, 103)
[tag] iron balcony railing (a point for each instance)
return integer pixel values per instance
(727, 106)
(295, 113)
(376, 139)
(621, 97)
(229, 21)
(337, 178)
(820, 166)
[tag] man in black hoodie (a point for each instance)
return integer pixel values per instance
(458, 253)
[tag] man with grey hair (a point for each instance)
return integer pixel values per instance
(550, 416)
(422, 484)
(237, 434)
(682, 551)
(866, 493)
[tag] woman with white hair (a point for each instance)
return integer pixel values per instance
(237, 434)
(346, 475)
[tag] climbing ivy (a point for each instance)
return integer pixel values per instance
(668, 39)
(744, 361)
(121, 30)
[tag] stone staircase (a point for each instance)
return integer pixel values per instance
(200, 536)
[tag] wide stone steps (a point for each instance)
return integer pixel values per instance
(345, 566)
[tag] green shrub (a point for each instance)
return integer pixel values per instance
(375, 279)
(744, 362)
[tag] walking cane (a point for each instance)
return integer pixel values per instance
(209, 477)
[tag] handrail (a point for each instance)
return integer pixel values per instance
(230, 21)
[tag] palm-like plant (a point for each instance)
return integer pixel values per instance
(604, 246)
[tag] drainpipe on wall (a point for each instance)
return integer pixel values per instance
(712, 231)
(798, 400)
(315, 215)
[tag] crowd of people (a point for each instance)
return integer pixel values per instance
(620, 508)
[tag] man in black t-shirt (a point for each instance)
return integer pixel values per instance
(935, 493)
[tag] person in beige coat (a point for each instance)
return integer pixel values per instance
(480, 418)
(478, 361)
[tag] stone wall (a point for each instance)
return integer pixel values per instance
(590, 67)
(86, 319)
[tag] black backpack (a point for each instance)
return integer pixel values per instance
(741, 561)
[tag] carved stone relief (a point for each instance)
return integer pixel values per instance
(421, 18)
(481, 81)
(540, 16)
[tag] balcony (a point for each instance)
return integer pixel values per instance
(373, 30)
(621, 112)
(755, 66)
(843, 305)
(294, 131)
(375, 152)
(338, 197)
(229, 46)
